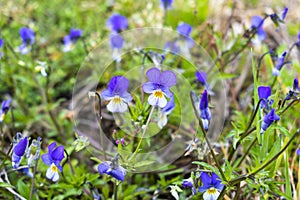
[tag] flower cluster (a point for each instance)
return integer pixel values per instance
(53, 159)
(71, 39)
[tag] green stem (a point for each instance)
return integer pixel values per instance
(247, 152)
(33, 180)
(289, 105)
(99, 116)
(145, 129)
(115, 190)
(6, 157)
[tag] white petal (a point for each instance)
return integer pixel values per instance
(155, 101)
(116, 55)
(68, 47)
(55, 177)
(50, 173)
(162, 121)
(208, 196)
(116, 107)
(275, 72)
(205, 123)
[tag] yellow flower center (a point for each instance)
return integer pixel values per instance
(212, 190)
(158, 94)
(54, 168)
(117, 100)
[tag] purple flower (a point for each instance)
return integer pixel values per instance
(279, 64)
(294, 92)
(257, 24)
(116, 43)
(117, 94)
(279, 19)
(211, 187)
(53, 158)
(113, 169)
(264, 92)
(70, 40)
(187, 183)
(172, 47)
(204, 110)
(298, 151)
(121, 140)
(28, 38)
(298, 42)
(19, 151)
(268, 119)
(184, 29)
(166, 4)
(117, 23)
(165, 111)
(202, 77)
(159, 86)
(4, 109)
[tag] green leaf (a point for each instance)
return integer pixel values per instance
(6, 185)
(207, 166)
(23, 189)
(143, 163)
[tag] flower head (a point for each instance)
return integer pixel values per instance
(113, 169)
(294, 92)
(33, 152)
(165, 111)
(257, 25)
(159, 86)
(201, 77)
(184, 29)
(117, 23)
(264, 92)
(117, 94)
(205, 114)
(279, 19)
(298, 151)
(70, 40)
(268, 119)
(279, 64)
(4, 109)
(53, 158)
(19, 151)
(166, 4)
(116, 43)
(187, 183)
(211, 187)
(28, 38)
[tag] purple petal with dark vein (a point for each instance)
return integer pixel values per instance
(58, 153)
(153, 75)
(47, 159)
(168, 78)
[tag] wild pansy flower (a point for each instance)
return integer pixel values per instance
(117, 23)
(185, 42)
(268, 119)
(298, 151)
(279, 19)
(257, 26)
(279, 64)
(113, 169)
(211, 187)
(4, 109)
(159, 86)
(205, 114)
(1, 45)
(117, 94)
(116, 43)
(19, 150)
(28, 38)
(264, 92)
(166, 4)
(165, 111)
(41, 68)
(70, 40)
(294, 92)
(53, 158)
